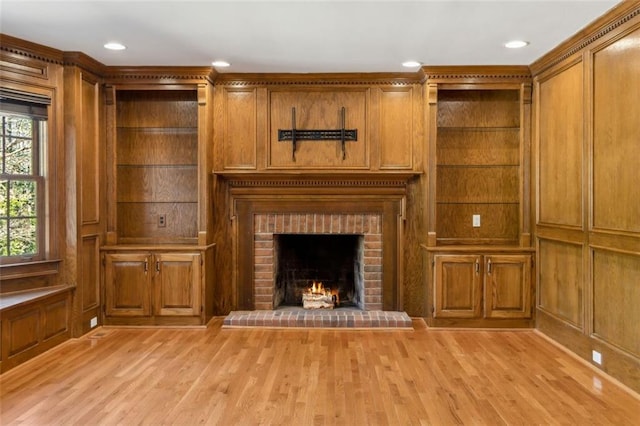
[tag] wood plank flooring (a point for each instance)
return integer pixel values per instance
(310, 377)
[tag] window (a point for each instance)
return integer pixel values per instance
(22, 186)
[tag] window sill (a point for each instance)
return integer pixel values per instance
(29, 269)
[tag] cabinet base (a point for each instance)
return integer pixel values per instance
(480, 323)
(155, 321)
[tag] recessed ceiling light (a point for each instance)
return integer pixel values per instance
(516, 44)
(411, 64)
(114, 46)
(221, 64)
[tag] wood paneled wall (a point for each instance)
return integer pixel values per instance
(85, 177)
(588, 192)
(387, 115)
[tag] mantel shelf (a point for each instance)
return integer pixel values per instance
(318, 179)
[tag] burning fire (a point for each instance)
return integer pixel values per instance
(317, 288)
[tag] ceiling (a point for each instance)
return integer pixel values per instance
(301, 35)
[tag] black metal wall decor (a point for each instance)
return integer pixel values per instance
(343, 135)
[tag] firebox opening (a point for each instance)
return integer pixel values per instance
(336, 261)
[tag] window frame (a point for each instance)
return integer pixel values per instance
(38, 113)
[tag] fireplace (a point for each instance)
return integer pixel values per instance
(315, 263)
(271, 213)
(354, 242)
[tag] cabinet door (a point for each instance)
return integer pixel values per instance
(507, 286)
(177, 284)
(457, 286)
(127, 284)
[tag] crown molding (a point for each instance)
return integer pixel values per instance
(158, 74)
(318, 79)
(477, 74)
(84, 61)
(617, 16)
(31, 50)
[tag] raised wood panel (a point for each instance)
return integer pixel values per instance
(560, 145)
(157, 108)
(319, 110)
(157, 184)
(498, 222)
(616, 297)
(23, 328)
(157, 147)
(90, 153)
(177, 284)
(55, 318)
(499, 184)
(458, 286)
(478, 108)
(396, 128)
(507, 286)
(465, 147)
(88, 281)
(140, 220)
(616, 175)
(127, 284)
(240, 129)
(561, 280)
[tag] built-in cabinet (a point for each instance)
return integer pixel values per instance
(153, 286)
(156, 261)
(482, 286)
(478, 257)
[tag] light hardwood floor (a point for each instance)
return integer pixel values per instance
(305, 377)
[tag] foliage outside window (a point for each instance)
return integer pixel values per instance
(21, 188)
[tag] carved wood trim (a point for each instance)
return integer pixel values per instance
(320, 79)
(30, 50)
(310, 180)
(159, 74)
(477, 74)
(84, 62)
(619, 15)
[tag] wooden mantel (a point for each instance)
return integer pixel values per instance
(305, 179)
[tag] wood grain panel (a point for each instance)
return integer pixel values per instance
(127, 284)
(507, 286)
(55, 318)
(157, 184)
(177, 284)
(140, 220)
(90, 153)
(157, 108)
(499, 184)
(458, 286)
(561, 280)
(319, 110)
(616, 175)
(616, 297)
(23, 327)
(240, 127)
(396, 128)
(498, 222)
(560, 145)
(478, 108)
(464, 147)
(157, 146)
(88, 281)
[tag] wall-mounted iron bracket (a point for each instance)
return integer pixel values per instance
(343, 135)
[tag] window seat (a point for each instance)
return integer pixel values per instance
(32, 322)
(19, 298)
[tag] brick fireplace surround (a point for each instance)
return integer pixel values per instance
(371, 205)
(266, 225)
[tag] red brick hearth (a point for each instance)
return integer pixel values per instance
(268, 224)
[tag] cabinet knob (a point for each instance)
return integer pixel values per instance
(489, 266)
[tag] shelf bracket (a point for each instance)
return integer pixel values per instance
(294, 135)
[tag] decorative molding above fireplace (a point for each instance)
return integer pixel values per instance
(324, 196)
